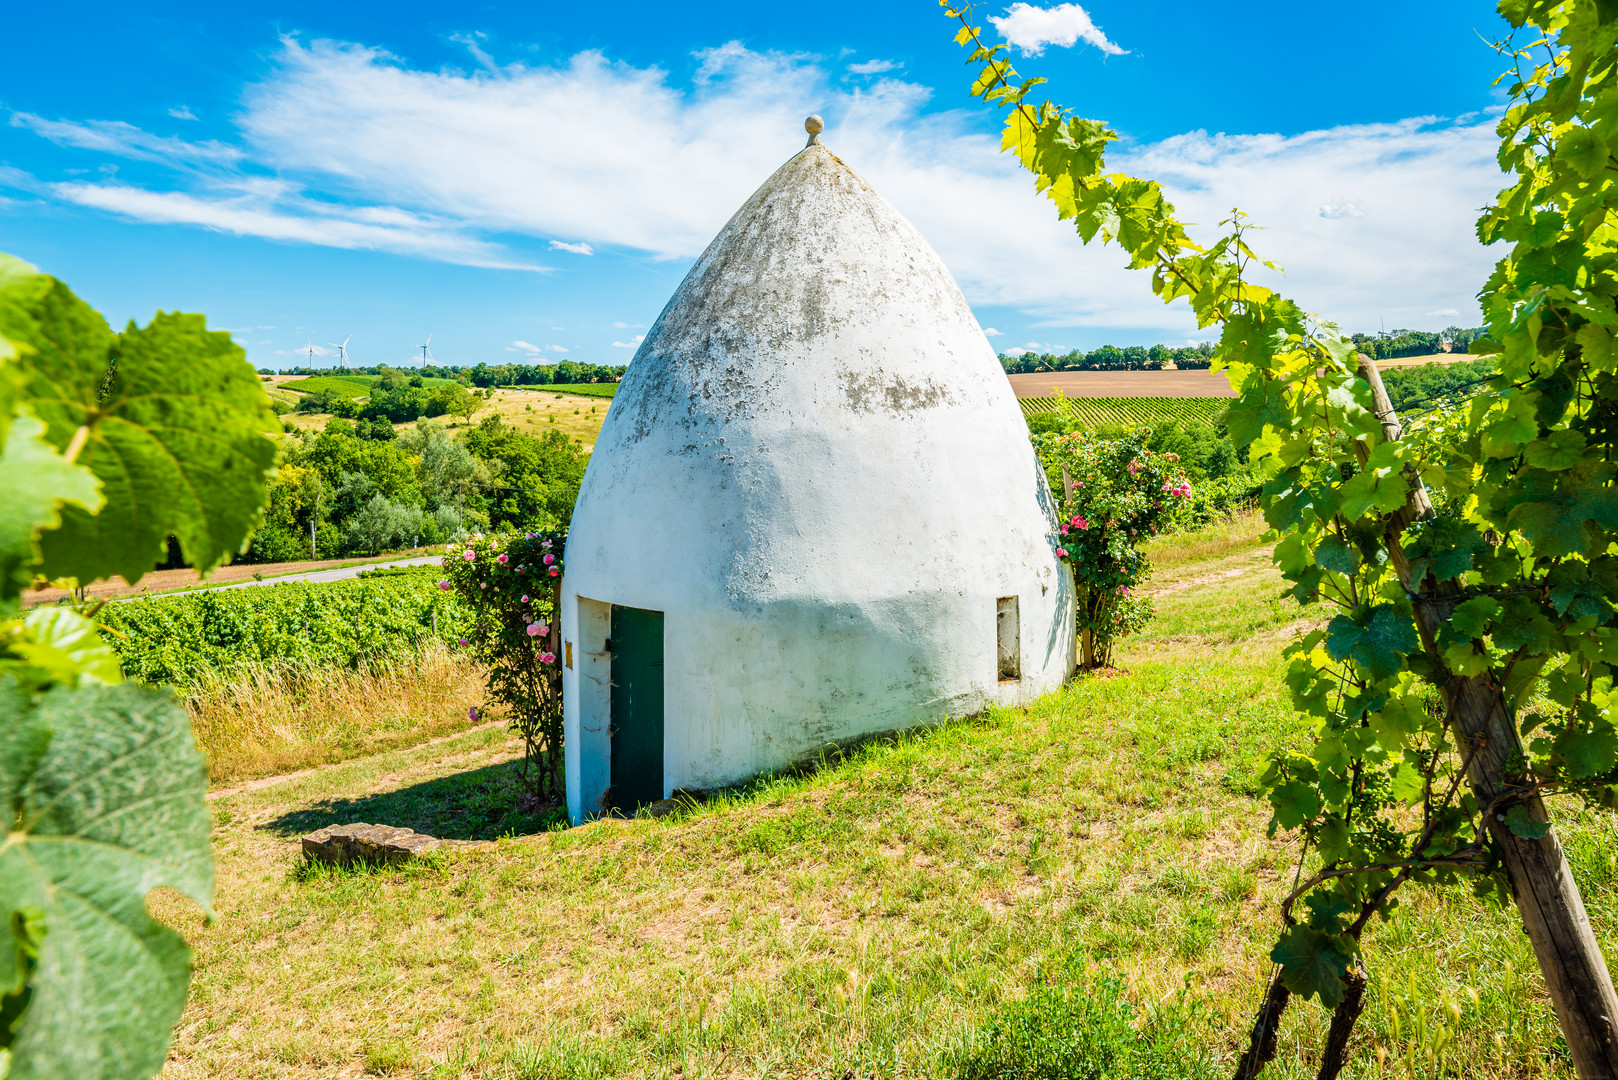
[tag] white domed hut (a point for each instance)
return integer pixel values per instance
(812, 515)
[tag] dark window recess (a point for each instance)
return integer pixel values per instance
(1007, 638)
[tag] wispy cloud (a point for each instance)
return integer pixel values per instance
(989, 331)
(128, 141)
(256, 213)
(632, 343)
(874, 67)
(1031, 28)
(1447, 313)
(182, 112)
(577, 249)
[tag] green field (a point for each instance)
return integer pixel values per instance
(1116, 412)
(353, 385)
(584, 389)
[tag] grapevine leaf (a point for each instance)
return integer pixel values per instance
(1311, 964)
(1558, 450)
(35, 482)
(1379, 645)
(169, 417)
(1471, 619)
(1294, 803)
(1407, 783)
(59, 645)
(111, 808)
(1335, 555)
(1445, 548)
(1522, 824)
(1589, 745)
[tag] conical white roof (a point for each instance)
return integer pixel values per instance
(815, 464)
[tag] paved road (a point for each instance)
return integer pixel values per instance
(339, 573)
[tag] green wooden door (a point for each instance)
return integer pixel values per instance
(637, 707)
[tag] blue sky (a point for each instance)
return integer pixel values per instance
(533, 180)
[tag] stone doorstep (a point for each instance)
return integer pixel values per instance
(360, 842)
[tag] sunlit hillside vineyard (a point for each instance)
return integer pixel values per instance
(1101, 413)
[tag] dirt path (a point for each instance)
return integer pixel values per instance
(271, 781)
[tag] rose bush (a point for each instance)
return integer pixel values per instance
(1114, 493)
(512, 586)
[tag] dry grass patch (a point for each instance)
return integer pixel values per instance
(269, 720)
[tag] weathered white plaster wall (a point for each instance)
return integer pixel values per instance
(817, 470)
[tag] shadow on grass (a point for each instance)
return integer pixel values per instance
(482, 804)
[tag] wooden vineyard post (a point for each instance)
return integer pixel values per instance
(1547, 897)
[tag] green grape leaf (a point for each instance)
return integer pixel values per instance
(1557, 450)
(169, 417)
(59, 646)
(35, 483)
(1407, 783)
(1583, 150)
(109, 808)
(1335, 555)
(1445, 547)
(1311, 964)
(1589, 745)
(1522, 824)
(1471, 619)
(1294, 802)
(1379, 645)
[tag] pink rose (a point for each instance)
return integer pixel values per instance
(525, 599)
(502, 558)
(549, 558)
(554, 571)
(1061, 553)
(547, 658)
(444, 585)
(534, 629)
(469, 555)
(544, 628)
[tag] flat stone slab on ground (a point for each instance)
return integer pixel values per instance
(361, 842)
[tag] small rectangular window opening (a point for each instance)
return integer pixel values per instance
(1007, 638)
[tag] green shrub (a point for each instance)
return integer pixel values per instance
(192, 637)
(1079, 1027)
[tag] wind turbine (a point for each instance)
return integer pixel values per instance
(426, 353)
(342, 350)
(309, 348)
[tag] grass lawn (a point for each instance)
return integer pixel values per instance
(869, 920)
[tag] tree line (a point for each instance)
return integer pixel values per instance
(337, 493)
(1383, 346)
(565, 371)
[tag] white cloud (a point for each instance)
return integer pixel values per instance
(126, 140)
(989, 331)
(1032, 28)
(289, 218)
(183, 112)
(1447, 313)
(631, 343)
(577, 249)
(344, 145)
(524, 346)
(556, 348)
(874, 67)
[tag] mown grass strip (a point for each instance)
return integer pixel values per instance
(595, 390)
(1100, 413)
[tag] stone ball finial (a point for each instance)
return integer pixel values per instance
(814, 125)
